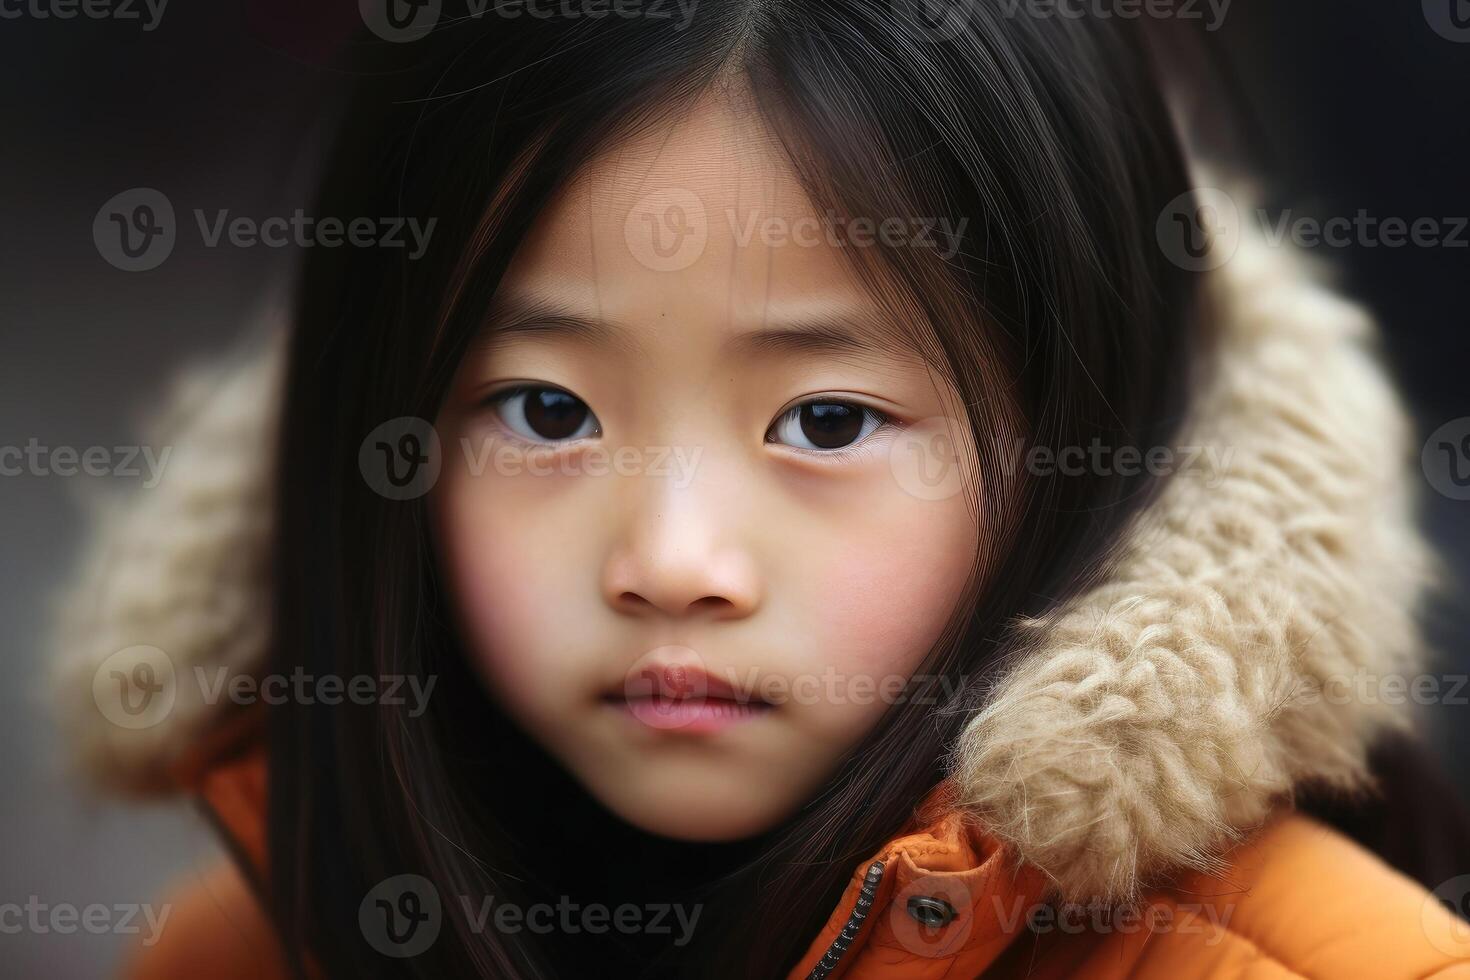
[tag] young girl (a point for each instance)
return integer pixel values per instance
(831, 498)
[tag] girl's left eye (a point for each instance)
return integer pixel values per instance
(538, 413)
(825, 425)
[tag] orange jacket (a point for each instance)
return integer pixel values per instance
(945, 901)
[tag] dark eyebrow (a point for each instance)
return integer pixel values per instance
(531, 316)
(832, 336)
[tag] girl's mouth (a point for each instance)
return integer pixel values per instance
(692, 715)
(683, 698)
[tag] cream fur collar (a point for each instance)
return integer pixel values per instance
(1146, 726)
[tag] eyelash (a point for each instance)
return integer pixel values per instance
(494, 400)
(884, 422)
(844, 454)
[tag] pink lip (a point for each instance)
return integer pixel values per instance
(692, 715)
(672, 695)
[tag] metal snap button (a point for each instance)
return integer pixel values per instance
(931, 912)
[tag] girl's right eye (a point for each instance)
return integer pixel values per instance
(542, 414)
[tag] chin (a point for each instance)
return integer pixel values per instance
(692, 811)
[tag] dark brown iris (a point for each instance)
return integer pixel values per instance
(553, 414)
(831, 425)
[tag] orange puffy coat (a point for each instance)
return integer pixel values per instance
(945, 901)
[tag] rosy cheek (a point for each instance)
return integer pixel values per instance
(500, 600)
(897, 608)
(886, 594)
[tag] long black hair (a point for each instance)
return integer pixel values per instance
(1058, 320)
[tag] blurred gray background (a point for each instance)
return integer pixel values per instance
(1349, 105)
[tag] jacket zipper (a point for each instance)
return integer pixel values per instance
(860, 909)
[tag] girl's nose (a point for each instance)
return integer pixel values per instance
(675, 557)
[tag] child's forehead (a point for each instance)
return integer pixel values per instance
(723, 153)
(700, 221)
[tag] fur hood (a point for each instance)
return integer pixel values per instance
(1147, 725)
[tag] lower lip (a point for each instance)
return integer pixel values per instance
(692, 715)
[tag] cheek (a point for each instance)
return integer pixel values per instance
(506, 586)
(888, 587)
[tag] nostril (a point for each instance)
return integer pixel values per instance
(633, 600)
(709, 605)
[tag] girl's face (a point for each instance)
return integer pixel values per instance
(700, 509)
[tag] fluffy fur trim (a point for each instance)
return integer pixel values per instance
(173, 580)
(1218, 665)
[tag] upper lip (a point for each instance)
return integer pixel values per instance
(679, 681)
